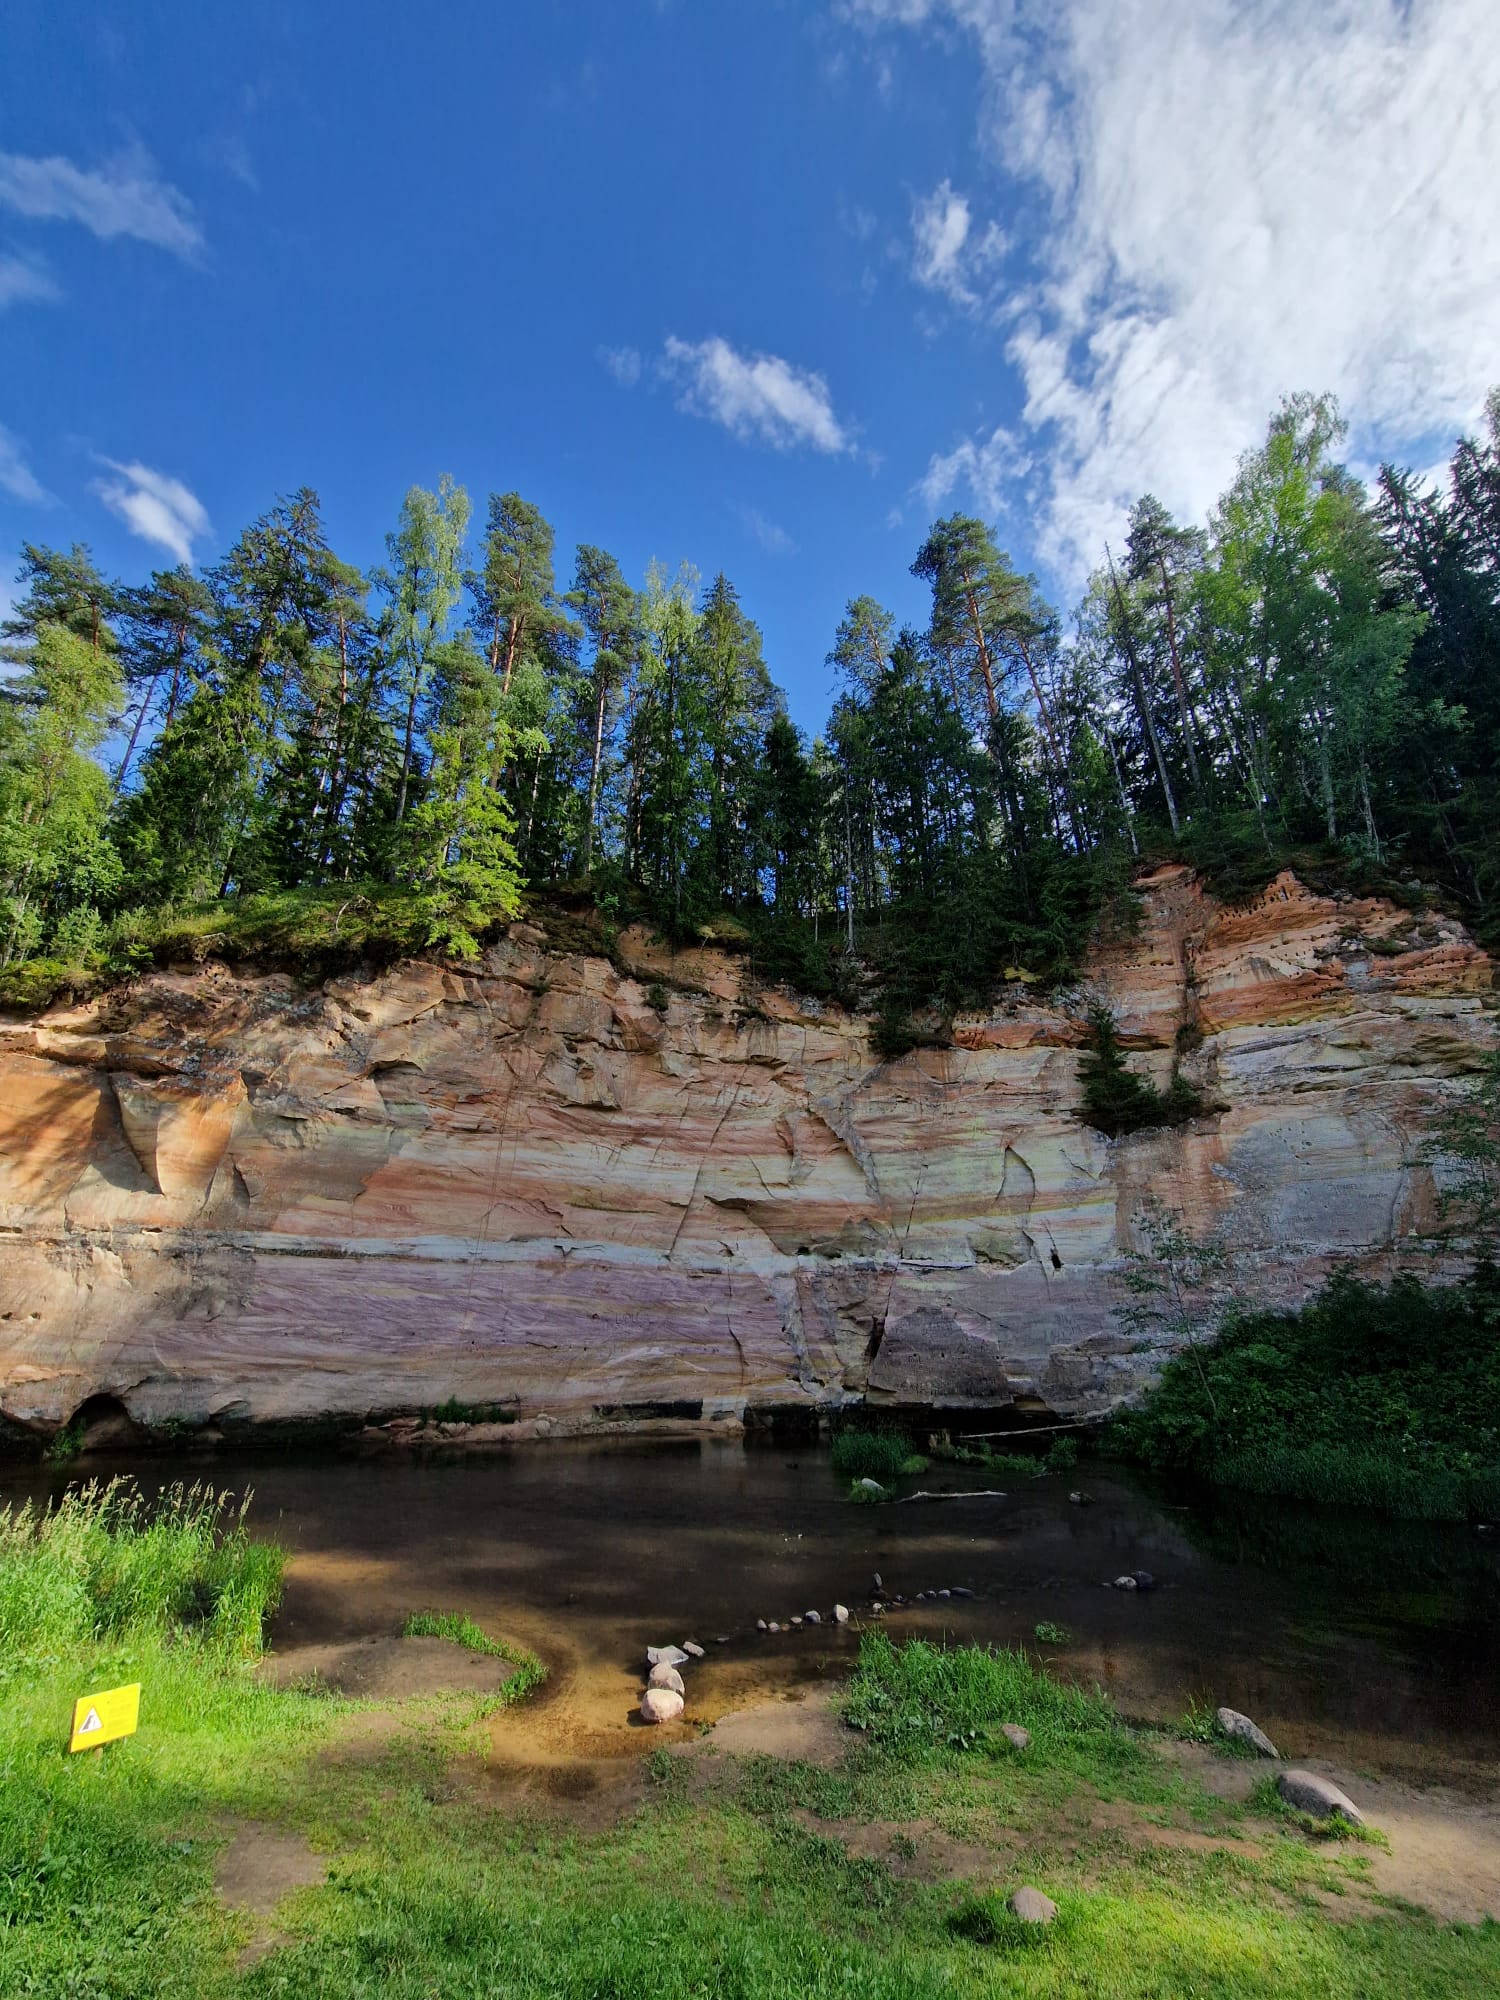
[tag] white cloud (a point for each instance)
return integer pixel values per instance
(940, 230)
(754, 396)
(155, 507)
(16, 476)
(122, 198)
(25, 280)
(624, 363)
(990, 468)
(1233, 199)
(949, 254)
(772, 537)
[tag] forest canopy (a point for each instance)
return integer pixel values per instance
(1314, 674)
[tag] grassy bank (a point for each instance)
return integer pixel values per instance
(1385, 1399)
(802, 1881)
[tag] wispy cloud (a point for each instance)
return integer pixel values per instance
(755, 396)
(122, 198)
(949, 254)
(16, 476)
(154, 506)
(624, 363)
(990, 468)
(25, 280)
(940, 229)
(1233, 199)
(772, 537)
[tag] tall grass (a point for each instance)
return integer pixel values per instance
(106, 1565)
(1381, 1482)
(874, 1454)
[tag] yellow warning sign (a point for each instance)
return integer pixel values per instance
(100, 1718)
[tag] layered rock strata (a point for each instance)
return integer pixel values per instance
(230, 1201)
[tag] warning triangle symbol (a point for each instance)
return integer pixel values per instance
(90, 1722)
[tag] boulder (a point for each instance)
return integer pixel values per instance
(1126, 1583)
(872, 1486)
(760, 1625)
(693, 1650)
(1032, 1907)
(1017, 1737)
(841, 1614)
(812, 1617)
(671, 1656)
(663, 1676)
(661, 1705)
(1243, 1730)
(1144, 1580)
(1319, 1796)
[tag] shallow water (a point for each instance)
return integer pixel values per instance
(1374, 1644)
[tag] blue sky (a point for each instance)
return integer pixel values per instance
(760, 287)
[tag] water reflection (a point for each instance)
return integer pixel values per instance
(1375, 1643)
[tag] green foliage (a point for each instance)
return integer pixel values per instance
(1062, 1455)
(1115, 1099)
(454, 1411)
(871, 1454)
(1307, 680)
(1051, 1634)
(1381, 1399)
(529, 1673)
(104, 1564)
(916, 1698)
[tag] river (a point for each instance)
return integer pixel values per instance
(1375, 1644)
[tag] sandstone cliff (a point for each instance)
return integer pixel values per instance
(227, 1200)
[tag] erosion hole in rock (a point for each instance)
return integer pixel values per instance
(1056, 1260)
(102, 1423)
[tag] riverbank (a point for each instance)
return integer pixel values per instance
(263, 1840)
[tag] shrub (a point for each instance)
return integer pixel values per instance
(1384, 1399)
(1115, 1099)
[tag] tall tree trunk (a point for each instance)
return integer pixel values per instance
(1148, 721)
(1184, 708)
(588, 831)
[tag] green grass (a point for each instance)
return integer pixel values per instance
(874, 1454)
(910, 1698)
(729, 1878)
(104, 1566)
(529, 1673)
(456, 1412)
